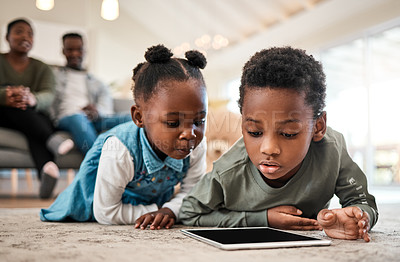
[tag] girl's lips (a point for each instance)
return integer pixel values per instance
(185, 151)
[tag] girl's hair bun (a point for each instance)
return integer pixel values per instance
(196, 58)
(158, 54)
(137, 68)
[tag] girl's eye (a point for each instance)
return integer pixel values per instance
(254, 134)
(286, 135)
(172, 124)
(200, 123)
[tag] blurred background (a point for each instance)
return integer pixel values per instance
(358, 42)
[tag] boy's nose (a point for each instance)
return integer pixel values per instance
(270, 146)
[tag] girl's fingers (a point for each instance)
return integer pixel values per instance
(156, 222)
(147, 220)
(171, 222)
(165, 221)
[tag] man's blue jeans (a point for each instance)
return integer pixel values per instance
(84, 132)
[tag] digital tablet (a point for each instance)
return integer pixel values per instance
(252, 238)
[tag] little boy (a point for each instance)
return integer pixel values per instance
(288, 165)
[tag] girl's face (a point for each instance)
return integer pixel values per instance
(278, 128)
(20, 38)
(174, 117)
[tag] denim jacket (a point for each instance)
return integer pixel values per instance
(153, 182)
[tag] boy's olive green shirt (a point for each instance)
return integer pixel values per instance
(37, 76)
(234, 194)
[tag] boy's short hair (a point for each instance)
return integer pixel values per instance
(289, 68)
(71, 35)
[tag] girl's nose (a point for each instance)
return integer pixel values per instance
(270, 146)
(188, 133)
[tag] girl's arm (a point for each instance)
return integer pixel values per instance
(115, 171)
(197, 169)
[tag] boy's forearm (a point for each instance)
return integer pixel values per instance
(224, 218)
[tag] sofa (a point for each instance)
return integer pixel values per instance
(14, 151)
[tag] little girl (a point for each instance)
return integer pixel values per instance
(129, 175)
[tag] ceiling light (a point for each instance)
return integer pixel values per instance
(110, 9)
(45, 5)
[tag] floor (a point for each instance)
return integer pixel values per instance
(27, 197)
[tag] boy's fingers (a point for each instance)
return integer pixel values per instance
(289, 210)
(326, 218)
(357, 212)
(300, 223)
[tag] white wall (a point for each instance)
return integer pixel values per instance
(115, 47)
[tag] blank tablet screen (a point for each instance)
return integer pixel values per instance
(261, 237)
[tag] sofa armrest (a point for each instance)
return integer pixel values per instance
(122, 105)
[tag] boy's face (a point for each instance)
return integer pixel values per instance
(173, 118)
(73, 52)
(277, 129)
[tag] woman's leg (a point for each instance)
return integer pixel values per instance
(35, 126)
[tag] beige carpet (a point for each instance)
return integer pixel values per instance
(23, 237)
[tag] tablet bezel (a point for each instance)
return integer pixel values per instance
(299, 243)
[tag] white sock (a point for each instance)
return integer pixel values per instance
(65, 146)
(51, 169)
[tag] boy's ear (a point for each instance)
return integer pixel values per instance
(137, 115)
(320, 127)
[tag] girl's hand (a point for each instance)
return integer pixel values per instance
(163, 217)
(288, 217)
(345, 223)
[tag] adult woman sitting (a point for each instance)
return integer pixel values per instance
(26, 93)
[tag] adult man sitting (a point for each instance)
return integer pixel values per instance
(83, 105)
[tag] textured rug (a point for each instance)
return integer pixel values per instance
(23, 237)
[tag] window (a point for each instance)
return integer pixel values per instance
(363, 101)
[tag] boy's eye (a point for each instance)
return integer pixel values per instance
(199, 122)
(254, 134)
(173, 124)
(286, 135)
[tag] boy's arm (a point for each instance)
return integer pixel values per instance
(351, 187)
(204, 206)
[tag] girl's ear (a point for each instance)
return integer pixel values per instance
(137, 115)
(320, 127)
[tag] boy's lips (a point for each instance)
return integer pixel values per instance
(269, 167)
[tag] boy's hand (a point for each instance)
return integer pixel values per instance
(163, 217)
(288, 217)
(345, 223)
